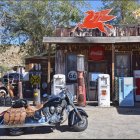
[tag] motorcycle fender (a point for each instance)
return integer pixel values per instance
(73, 117)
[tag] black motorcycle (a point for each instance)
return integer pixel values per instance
(55, 111)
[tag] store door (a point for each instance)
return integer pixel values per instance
(122, 65)
(95, 68)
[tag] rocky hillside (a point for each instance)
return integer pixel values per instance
(12, 57)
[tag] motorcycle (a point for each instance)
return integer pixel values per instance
(53, 112)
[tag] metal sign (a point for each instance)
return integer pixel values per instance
(72, 75)
(35, 79)
(97, 20)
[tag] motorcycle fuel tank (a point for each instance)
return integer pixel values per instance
(53, 101)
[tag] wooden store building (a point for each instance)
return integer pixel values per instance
(117, 55)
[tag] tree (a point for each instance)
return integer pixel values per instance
(4, 21)
(31, 20)
(137, 14)
(123, 9)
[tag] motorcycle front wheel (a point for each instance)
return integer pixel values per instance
(81, 125)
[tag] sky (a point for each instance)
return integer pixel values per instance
(95, 4)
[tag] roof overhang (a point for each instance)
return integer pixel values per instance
(101, 40)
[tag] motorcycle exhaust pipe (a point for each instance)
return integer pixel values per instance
(26, 125)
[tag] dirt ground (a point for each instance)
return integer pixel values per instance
(103, 122)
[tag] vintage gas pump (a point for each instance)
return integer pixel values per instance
(104, 90)
(59, 80)
(81, 82)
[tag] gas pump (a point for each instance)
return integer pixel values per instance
(104, 90)
(59, 80)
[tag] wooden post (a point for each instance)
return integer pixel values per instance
(20, 94)
(113, 68)
(49, 69)
(37, 98)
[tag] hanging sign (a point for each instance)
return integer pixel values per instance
(96, 53)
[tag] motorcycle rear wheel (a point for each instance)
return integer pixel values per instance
(82, 125)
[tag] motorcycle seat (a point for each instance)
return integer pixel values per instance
(30, 110)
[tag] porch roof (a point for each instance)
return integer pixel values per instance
(103, 40)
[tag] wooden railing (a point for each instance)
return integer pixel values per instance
(119, 30)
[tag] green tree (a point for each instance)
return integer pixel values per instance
(123, 9)
(4, 21)
(34, 19)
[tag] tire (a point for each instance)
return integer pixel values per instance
(82, 125)
(16, 131)
(3, 92)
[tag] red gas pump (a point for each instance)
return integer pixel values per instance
(81, 82)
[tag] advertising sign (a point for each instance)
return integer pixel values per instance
(96, 53)
(95, 20)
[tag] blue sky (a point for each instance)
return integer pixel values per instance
(96, 4)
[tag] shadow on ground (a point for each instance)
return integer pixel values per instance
(129, 110)
(126, 110)
(39, 130)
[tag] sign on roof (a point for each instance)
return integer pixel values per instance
(97, 20)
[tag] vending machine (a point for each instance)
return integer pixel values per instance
(104, 90)
(59, 81)
(126, 93)
(137, 84)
